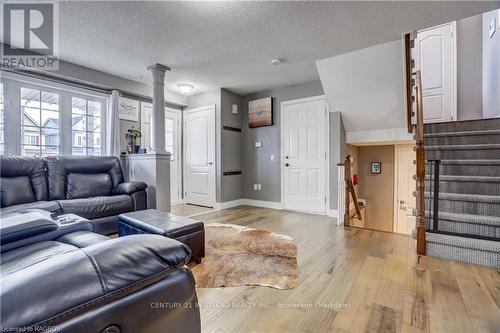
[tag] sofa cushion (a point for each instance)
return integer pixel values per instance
(96, 207)
(50, 206)
(81, 185)
(12, 167)
(82, 238)
(25, 256)
(16, 190)
(59, 167)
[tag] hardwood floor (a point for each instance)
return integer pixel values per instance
(353, 280)
(189, 210)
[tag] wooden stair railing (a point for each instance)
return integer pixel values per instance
(349, 191)
(414, 94)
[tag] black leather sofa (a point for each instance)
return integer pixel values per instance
(66, 278)
(89, 186)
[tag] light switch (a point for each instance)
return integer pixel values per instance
(234, 109)
(258, 144)
(272, 158)
(259, 187)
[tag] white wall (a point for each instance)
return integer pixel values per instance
(367, 87)
(491, 67)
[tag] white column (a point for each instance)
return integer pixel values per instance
(158, 114)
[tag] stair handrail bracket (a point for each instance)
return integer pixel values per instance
(413, 94)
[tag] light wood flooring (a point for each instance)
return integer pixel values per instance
(189, 210)
(353, 280)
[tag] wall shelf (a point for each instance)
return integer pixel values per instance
(231, 128)
(231, 173)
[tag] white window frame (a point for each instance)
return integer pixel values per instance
(103, 121)
(12, 83)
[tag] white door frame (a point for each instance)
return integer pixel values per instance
(454, 64)
(327, 148)
(179, 143)
(187, 111)
(396, 183)
(180, 155)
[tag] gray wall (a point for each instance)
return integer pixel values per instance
(469, 70)
(256, 162)
(491, 68)
(337, 154)
(230, 146)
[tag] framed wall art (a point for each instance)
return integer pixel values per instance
(260, 112)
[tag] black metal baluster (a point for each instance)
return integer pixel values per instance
(435, 214)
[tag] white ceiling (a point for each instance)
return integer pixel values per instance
(231, 44)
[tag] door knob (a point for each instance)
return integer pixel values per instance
(210, 163)
(286, 164)
(401, 202)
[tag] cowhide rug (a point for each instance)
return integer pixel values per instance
(237, 256)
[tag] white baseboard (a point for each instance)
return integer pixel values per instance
(333, 213)
(230, 204)
(263, 204)
(249, 202)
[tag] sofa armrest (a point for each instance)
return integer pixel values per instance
(129, 188)
(19, 226)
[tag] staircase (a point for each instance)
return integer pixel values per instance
(462, 193)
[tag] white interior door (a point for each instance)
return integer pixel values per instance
(435, 57)
(405, 185)
(304, 152)
(172, 144)
(199, 156)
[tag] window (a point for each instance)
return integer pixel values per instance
(86, 126)
(45, 118)
(1, 119)
(39, 122)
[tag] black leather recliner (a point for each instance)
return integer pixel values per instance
(66, 278)
(89, 186)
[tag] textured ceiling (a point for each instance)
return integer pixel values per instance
(231, 44)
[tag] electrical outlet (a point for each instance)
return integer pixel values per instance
(258, 144)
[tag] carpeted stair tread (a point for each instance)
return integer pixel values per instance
(486, 146)
(469, 125)
(468, 224)
(471, 250)
(464, 242)
(468, 218)
(468, 162)
(467, 197)
(461, 133)
(453, 178)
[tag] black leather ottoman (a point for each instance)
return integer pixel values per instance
(152, 221)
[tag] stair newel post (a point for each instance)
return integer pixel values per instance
(420, 152)
(347, 177)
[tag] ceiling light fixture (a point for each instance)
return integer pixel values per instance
(185, 88)
(276, 61)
